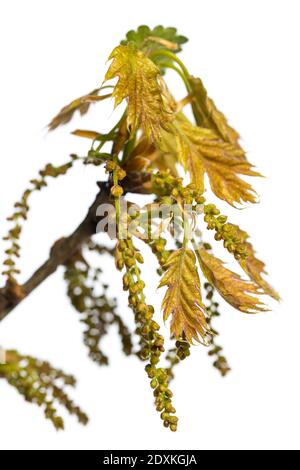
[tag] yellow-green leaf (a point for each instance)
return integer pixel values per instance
(254, 267)
(138, 83)
(81, 104)
(239, 293)
(207, 114)
(201, 150)
(183, 299)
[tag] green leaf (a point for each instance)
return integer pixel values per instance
(147, 39)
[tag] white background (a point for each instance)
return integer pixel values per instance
(247, 53)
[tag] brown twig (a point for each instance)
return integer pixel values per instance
(61, 251)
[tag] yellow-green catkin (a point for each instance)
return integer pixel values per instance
(40, 383)
(151, 341)
(21, 213)
(224, 231)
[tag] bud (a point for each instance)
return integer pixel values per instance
(121, 174)
(116, 190)
(110, 166)
(139, 258)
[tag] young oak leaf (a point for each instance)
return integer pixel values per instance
(207, 114)
(253, 266)
(201, 151)
(239, 293)
(183, 299)
(139, 84)
(141, 36)
(158, 38)
(81, 104)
